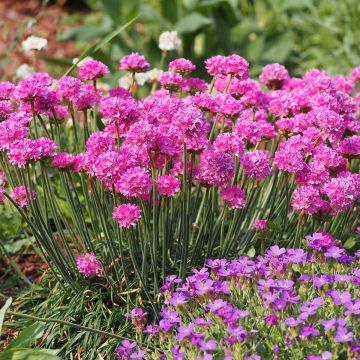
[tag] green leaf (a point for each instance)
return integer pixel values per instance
(251, 252)
(169, 10)
(113, 9)
(29, 354)
(192, 23)
(84, 33)
(100, 44)
(350, 243)
(27, 336)
(279, 49)
(3, 311)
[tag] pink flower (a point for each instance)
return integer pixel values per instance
(273, 76)
(88, 265)
(63, 160)
(350, 146)
(233, 196)
(68, 87)
(92, 70)
(134, 63)
(181, 66)
(355, 74)
(134, 182)
(20, 197)
(85, 97)
(171, 81)
(127, 215)
(307, 198)
(116, 110)
(194, 85)
(168, 185)
(261, 225)
(256, 163)
(228, 65)
(342, 191)
(34, 86)
(11, 132)
(216, 168)
(6, 90)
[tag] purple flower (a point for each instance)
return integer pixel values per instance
(185, 332)
(309, 330)
(275, 251)
(334, 252)
(292, 322)
(342, 335)
(208, 345)
(340, 298)
(329, 324)
(271, 319)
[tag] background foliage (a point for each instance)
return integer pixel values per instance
(300, 34)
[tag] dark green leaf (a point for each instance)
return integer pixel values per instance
(29, 354)
(3, 311)
(27, 336)
(192, 23)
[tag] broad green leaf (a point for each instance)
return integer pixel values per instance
(279, 49)
(251, 252)
(3, 311)
(100, 44)
(192, 23)
(350, 243)
(27, 336)
(29, 354)
(113, 9)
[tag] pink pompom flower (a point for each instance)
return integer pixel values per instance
(93, 69)
(171, 81)
(168, 185)
(261, 225)
(134, 182)
(88, 265)
(273, 76)
(134, 63)
(181, 66)
(233, 196)
(127, 215)
(63, 160)
(256, 163)
(20, 197)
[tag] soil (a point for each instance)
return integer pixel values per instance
(22, 18)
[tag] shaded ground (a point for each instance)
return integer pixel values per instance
(22, 18)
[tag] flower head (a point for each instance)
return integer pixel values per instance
(88, 265)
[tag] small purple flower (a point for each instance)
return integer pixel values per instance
(329, 324)
(275, 251)
(334, 252)
(309, 330)
(292, 322)
(340, 298)
(208, 345)
(185, 332)
(342, 335)
(271, 319)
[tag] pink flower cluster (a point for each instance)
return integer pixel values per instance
(127, 215)
(88, 264)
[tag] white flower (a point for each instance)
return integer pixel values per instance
(34, 43)
(24, 71)
(141, 78)
(154, 74)
(125, 81)
(81, 62)
(169, 40)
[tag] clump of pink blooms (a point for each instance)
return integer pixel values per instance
(134, 63)
(297, 297)
(88, 264)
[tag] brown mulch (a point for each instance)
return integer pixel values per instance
(22, 18)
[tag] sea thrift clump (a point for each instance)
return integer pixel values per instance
(20, 195)
(88, 264)
(127, 215)
(92, 70)
(134, 63)
(168, 185)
